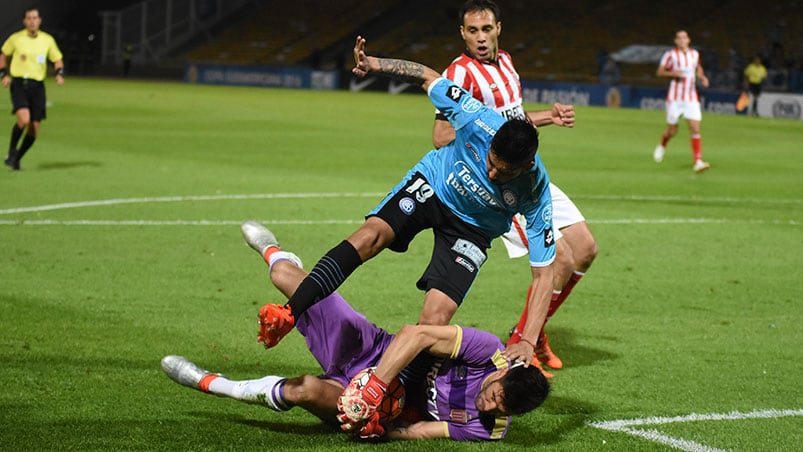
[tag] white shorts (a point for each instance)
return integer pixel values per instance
(688, 109)
(564, 213)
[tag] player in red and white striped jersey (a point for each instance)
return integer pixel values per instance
(487, 72)
(496, 84)
(682, 65)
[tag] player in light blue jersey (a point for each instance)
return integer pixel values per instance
(466, 193)
(469, 394)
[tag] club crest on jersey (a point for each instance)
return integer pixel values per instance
(546, 214)
(509, 197)
(458, 416)
(454, 92)
(549, 237)
(407, 205)
(471, 105)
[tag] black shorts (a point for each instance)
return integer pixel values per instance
(755, 89)
(30, 94)
(459, 249)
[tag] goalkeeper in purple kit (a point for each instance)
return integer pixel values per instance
(469, 394)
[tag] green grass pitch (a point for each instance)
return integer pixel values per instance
(121, 244)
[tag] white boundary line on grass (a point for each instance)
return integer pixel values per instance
(50, 222)
(111, 202)
(690, 198)
(169, 222)
(163, 199)
(624, 426)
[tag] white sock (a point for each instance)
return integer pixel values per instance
(284, 256)
(264, 391)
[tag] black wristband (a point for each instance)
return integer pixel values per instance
(60, 72)
(3, 72)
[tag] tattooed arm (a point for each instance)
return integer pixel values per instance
(402, 70)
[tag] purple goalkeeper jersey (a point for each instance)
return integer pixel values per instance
(453, 384)
(344, 342)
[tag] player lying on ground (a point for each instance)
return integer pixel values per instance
(470, 394)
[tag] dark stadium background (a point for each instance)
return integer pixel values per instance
(549, 41)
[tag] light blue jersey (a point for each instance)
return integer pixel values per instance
(458, 174)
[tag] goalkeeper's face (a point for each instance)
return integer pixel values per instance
(491, 400)
(480, 31)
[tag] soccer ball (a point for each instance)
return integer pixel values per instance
(393, 402)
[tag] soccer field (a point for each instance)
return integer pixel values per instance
(121, 244)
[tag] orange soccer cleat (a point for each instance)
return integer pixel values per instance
(545, 355)
(538, 365)
(275, 321)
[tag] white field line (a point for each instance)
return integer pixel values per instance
(165, 199)
(111, 202)
(625, 426)
(677, 443)
(632, 221)
(169, 222)
(690, 198)
(108, 202)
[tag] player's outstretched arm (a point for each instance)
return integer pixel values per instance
(538, 304)
(403, 70)
(560, 115)
(438, 340)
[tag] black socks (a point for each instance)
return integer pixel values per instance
(16, 133)
(27, 142)
(327, 275)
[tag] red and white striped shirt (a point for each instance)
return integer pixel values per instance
(495, 84)
(683, 88)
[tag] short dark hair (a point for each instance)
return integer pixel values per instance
(525, 389)
(479, 5)
(516, 142)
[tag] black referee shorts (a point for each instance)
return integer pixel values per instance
(30, 94)
(459, 250)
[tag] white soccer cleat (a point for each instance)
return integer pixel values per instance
(658, 153)
(258, 236)
(700, 166)
(184, 372)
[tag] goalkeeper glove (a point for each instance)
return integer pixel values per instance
(372, 430)
(359, 401)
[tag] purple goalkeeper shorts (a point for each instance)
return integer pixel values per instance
(342, 340)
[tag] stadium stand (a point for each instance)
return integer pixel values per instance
(561, 41)
(287, 32)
